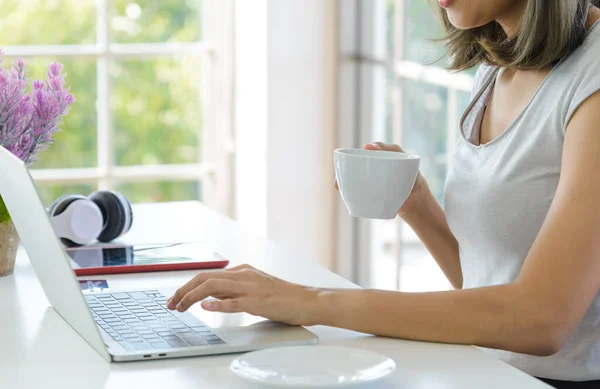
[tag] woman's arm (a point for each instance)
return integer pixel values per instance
(424, 215)
(534, 315)
(492, 317)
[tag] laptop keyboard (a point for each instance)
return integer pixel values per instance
(140, 321)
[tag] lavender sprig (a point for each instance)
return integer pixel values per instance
(29, 120)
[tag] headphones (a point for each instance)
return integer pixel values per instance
(78, 220)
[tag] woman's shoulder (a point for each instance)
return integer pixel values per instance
(578, 76)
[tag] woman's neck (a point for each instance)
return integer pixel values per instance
(509, 20)
(593, 16)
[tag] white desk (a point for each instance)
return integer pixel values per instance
(39, 350)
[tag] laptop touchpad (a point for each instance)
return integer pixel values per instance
(225, 320)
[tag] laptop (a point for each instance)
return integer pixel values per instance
(127, 325)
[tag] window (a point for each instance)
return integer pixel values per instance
(402, 95)
(151, 81)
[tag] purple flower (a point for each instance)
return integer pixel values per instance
(29, 120)
(54, 70)
(19, 67)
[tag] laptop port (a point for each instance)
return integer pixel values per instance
(147, 356)
(162, 355)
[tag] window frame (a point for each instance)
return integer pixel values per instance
(215, 49)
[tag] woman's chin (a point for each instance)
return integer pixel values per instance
(463, 22)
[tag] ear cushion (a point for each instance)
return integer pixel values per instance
(59, 206)
(116, 210)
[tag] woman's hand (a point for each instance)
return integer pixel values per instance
(246, 289)
(419, 188)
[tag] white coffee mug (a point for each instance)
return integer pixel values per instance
(375, 184)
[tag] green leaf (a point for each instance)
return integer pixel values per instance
(4, 215)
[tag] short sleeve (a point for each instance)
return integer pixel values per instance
(588, 86)
(583, 74)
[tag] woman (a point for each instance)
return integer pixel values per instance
(519, 235)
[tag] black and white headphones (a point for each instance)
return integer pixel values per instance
(78, 220)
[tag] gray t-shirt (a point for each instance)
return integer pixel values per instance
(498, 194)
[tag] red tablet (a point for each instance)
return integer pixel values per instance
(96, 260)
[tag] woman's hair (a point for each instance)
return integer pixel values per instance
(549, 31)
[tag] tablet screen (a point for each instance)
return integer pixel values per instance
(139, 255)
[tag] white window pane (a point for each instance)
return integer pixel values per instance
(156, 110)
(143, 21)
(145, 192)
(47, 22)
(424, 129)
(420, 30)
(51, 192)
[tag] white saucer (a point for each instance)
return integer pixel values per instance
(312, 366)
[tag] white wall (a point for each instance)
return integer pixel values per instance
(300, 68)
(250, 116)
